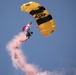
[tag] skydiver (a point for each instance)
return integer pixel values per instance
(29, 33)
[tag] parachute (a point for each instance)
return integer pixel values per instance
(44, 20)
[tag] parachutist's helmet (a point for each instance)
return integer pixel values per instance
(31, 32)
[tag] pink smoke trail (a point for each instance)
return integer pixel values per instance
(18, 58)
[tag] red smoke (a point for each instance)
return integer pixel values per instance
(18, 58)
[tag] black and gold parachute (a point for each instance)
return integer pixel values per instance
(44, 20)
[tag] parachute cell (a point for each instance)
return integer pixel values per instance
(44, 20)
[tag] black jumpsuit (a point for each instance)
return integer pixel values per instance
(28, 34)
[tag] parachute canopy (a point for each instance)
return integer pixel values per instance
(44, 20)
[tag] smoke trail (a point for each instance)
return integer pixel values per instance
(19, 60)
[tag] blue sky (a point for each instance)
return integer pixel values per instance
(55, 53)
